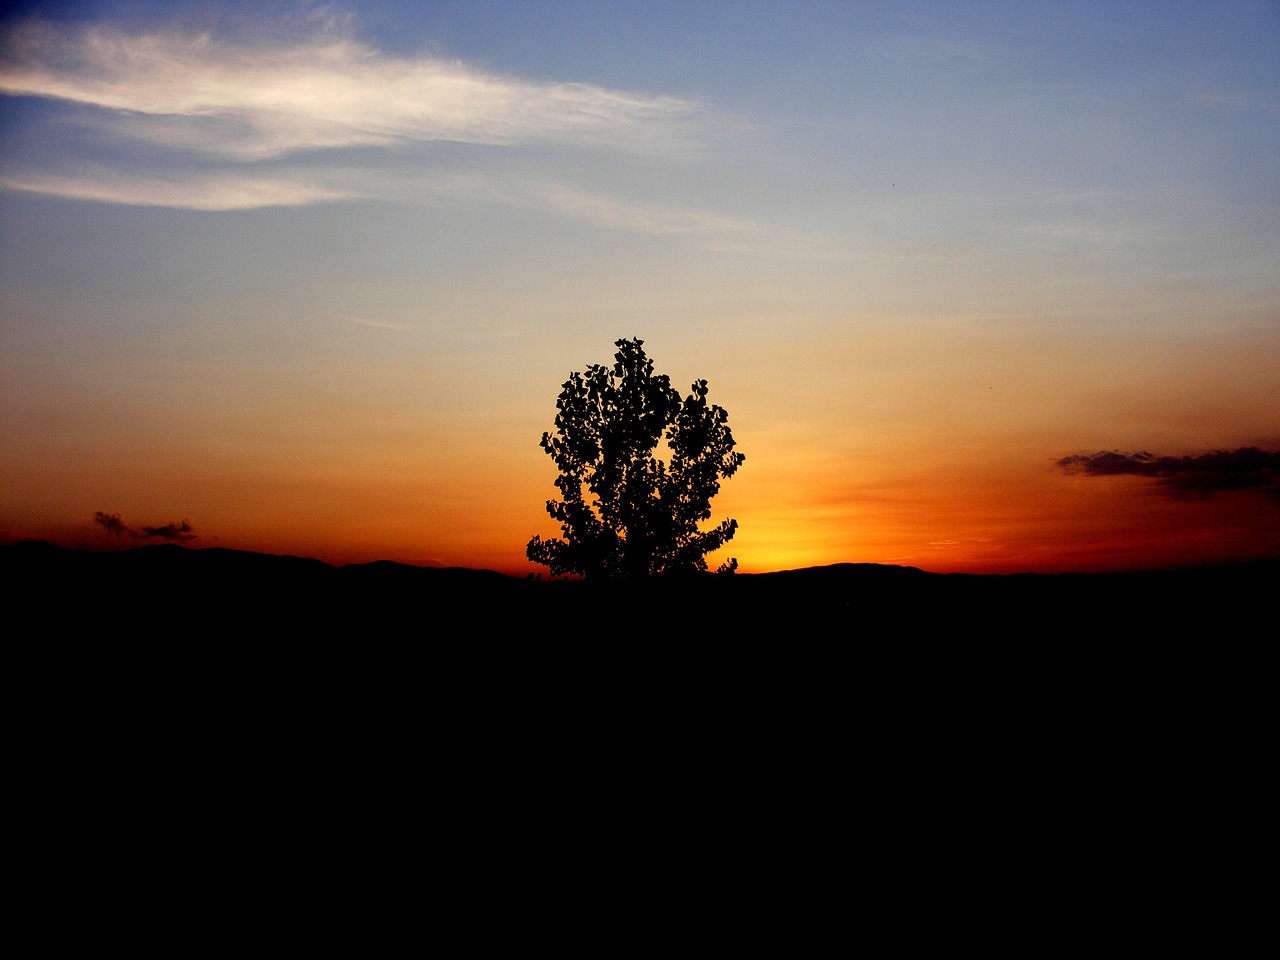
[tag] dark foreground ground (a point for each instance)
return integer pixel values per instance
(906, 724)
(202, 644)
(998, 757)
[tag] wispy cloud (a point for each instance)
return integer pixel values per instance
(1189, 478)
(709, 228)
(185, 191)
(644, 217)
(247, 188)
(379, 324)
(1236, 101)
(195, 121)
(252, 101)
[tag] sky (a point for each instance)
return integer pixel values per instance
(983, 286)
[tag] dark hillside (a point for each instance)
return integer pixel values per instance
(918, 684)
(171, 588)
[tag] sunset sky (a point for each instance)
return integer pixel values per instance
(306, 278)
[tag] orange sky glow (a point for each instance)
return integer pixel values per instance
(310, 280)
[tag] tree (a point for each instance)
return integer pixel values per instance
(623, 511)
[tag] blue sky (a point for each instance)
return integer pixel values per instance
(311, 274)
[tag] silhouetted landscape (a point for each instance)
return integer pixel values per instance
(984, 287)
(167, 587)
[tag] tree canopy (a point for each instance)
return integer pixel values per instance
(623, 511)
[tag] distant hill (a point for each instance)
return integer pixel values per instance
(173, 587)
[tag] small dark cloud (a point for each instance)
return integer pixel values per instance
(1189, 478)
(170, 531)
(113, 523)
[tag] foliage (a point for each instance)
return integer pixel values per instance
(623, 511)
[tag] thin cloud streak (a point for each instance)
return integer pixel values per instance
(708, 228)
(250, 102)
(247, 189)
(380, 324)
(207, 192)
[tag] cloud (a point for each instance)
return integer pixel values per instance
(644, 217)
(196, 121)
(214, 192)
(1189, 478)
(250, 101)
(1236, 101)
(379, 324)
(713, 230)
(113, 524)
(171, 531)
(249, 189)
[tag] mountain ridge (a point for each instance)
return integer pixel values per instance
(285, 591)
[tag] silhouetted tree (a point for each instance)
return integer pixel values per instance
(623, 511)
